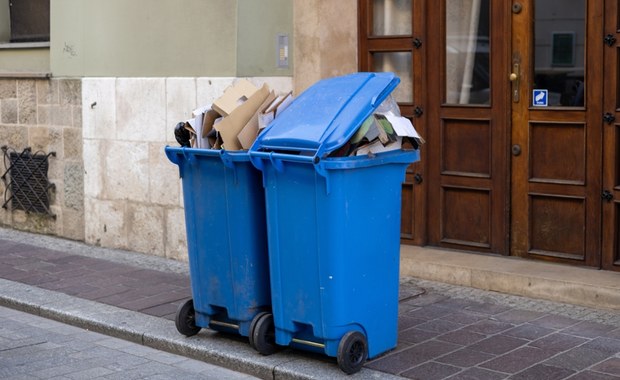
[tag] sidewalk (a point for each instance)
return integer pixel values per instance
(445, 331)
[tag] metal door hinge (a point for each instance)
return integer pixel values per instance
(607, 195)
(609, 118)
(417, 43)
(418, 111)
(418, 178)
(609, 40)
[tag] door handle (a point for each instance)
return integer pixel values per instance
(515, 78)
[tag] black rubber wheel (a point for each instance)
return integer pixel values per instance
(186, 319)
(253, 326)
(264, 335)
(352, 352)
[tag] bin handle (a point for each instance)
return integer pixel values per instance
(277, 163)
(227, 159)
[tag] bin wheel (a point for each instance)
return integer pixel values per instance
(186, 319)
(352, 352)
(264, 335)
(253, 326)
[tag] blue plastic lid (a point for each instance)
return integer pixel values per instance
(326, 115)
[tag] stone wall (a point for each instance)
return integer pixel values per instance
(133, 196)
(46, 115)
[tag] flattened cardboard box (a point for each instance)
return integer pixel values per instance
(234, 96)
(249, 133)
(230, 126)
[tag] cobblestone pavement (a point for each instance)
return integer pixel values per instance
(36, 348)
(445, 331)
(453, 332)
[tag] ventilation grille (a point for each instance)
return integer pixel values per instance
(26, 184)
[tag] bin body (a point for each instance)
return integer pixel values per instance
(226, 237)
(334, 246)
(333, 223)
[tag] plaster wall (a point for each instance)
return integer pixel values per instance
(325, 40)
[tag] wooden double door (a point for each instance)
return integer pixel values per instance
(519, 104)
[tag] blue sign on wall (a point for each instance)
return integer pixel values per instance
(540, 98)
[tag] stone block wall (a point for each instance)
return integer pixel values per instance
(132, 193)
(46, 115)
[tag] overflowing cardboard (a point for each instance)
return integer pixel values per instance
(230, 126)
(249, 133)
(234, 96)
(269, 113)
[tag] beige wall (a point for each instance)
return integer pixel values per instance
(325, 40)
(143, 37)
(164, 38)
(24, 60)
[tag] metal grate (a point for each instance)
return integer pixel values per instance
(26, 183)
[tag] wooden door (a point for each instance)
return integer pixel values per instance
(611, 138)
(556, 74)
(393, 38)
(468, 125)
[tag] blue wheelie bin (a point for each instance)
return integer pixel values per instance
(226, 239)
(333, 224)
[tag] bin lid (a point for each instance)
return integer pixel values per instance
(327, 114)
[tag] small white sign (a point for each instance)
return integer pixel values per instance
(540, 98)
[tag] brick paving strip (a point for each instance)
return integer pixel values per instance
(445, 331)
(148, 291)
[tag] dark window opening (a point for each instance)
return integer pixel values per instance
(26, 183)
(30, 20)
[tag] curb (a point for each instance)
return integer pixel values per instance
(214, 348)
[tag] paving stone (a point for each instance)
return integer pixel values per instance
(498, 344)
(488, 308)
(590, 375)
(465, 318)
(415, 335)
(615, 334)
(528, 331)
(555, 322)
(478, 374)
(577, 359)
(411, 357)
(609, 366)
(405, 322)
(462, 337)
(431, 371)
(604, 345)
(545, 372)
(489, 327)
(429, 312)
(558, 342)
(589, 329)
(439, 326)
(517, 360)
(465, 358)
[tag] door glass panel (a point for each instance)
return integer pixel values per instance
(467, 52)
(560, 51)
(399, 63)
(391, 17)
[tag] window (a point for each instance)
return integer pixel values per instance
(30, 20)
